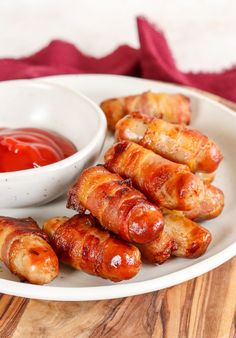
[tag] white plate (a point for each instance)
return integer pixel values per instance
(211, 118)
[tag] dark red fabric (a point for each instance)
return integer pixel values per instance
(156, 62)
(153, 60)
(61, 57)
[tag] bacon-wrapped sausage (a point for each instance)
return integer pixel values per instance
(174, 108)
(25, 251)
(191, 238)
(159, 250)
(210, 207)
(180, 237)
(177, 143)
(82, 245)
(118, 207)
(168, 184)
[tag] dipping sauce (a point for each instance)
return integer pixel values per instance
(26, 148)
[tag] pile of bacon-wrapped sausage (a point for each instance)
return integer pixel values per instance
(144, 201)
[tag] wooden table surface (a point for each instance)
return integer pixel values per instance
(204, 307)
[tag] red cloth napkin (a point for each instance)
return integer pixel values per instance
(153, 60)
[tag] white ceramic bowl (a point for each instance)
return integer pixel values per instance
(32, 103)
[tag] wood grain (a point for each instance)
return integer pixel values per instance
(204, 307)
(11, 310)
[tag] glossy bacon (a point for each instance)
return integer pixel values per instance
(174, 108)
(177, 143)
(82, 245)
(118, 207)
(25, 251)
(168, 184)
(210, 207)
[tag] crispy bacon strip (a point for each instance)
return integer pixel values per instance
(181, 237)
(84, 246)
(168, 184)
(25, 251)
(174, 108)
(118, 207)
(177, 143)
(210, 207)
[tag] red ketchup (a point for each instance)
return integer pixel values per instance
(26, 148)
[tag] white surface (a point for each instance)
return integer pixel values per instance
(210, 117)
(26, 103)
(201, 33)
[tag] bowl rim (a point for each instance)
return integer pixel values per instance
(81, 153)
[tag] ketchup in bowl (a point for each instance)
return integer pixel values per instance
(26, 148)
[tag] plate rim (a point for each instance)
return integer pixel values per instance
(61, 293)
(125, 290)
